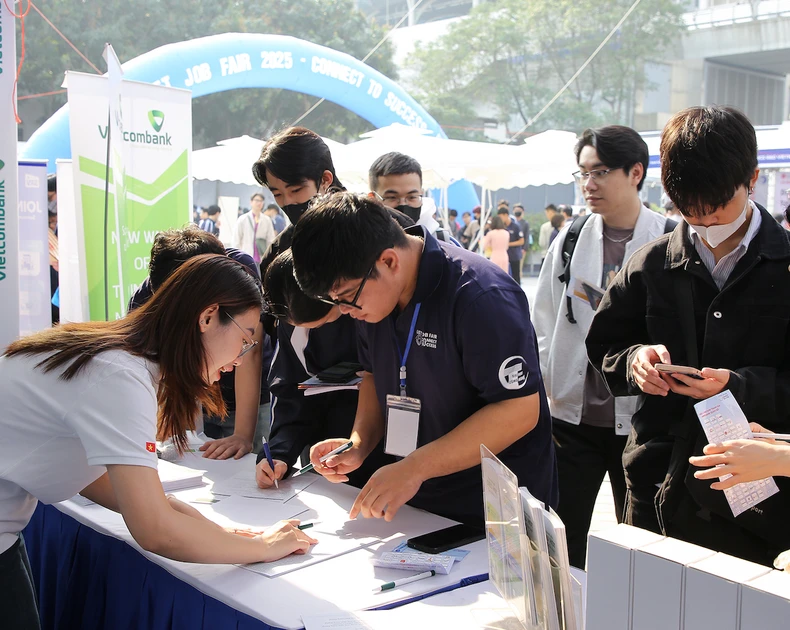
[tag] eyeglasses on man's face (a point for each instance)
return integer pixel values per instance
(353, 302)
(413, 200)
(597, 175)
(246, 344)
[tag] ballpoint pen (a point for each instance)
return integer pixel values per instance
(390, 585)
(270, 461)
(340, 449)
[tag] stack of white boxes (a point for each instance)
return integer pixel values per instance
(638, 580)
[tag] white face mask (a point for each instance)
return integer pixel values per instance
(715, 235)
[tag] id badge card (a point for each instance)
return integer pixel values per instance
(403, 424)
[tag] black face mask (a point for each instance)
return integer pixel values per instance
(518, 215)
(294, 211)
(412, 213)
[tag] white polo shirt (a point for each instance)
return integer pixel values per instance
(57, 436)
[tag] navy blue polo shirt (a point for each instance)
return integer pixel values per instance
(473, 345)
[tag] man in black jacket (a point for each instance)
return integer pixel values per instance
(713, 294)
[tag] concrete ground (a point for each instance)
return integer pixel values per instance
(603, 515)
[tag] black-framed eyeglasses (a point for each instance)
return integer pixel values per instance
(352, 303)
(598, 174)
(246, 345)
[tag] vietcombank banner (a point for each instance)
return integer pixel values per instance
(9, 259)
(149, 130)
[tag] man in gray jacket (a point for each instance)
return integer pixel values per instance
(589, 426)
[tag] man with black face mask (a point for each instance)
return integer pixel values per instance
(396, 180)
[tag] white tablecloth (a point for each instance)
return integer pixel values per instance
(340, 584)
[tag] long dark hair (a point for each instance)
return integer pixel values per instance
(164, 330)
(295, 155)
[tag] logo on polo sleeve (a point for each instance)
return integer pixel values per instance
(513, 373)
(150, 447)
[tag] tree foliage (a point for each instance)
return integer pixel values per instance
(516, 55)
(134, 28)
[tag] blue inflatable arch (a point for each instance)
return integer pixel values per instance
(246, 60)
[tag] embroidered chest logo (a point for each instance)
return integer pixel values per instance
(426, 340)
(513, 373)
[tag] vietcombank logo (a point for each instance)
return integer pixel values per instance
(157, 120)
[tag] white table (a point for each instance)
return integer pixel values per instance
(343, 583)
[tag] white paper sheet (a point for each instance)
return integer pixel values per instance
(243, 485)
(247, 513)
(722, 419)
(335, 538)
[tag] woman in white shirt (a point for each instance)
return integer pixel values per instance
(83, 405)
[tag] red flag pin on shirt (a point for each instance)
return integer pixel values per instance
(150, 447)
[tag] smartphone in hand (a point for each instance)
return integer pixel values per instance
(668, 368)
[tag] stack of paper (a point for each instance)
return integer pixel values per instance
(175, 477)
(243, 484)
(313, 386)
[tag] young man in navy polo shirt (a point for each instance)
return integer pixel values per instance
(450, 357)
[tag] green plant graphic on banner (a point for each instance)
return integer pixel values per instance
(149, 207)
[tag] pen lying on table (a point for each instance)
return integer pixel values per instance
(414, 578)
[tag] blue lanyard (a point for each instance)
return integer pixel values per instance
(405, 355)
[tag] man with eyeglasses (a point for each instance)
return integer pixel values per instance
(590, 429)
(395, 180)
(450, 361)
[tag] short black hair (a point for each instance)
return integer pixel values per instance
(340, 238)
(295, 155)
(213, 210)
(567, 210)
(257, 194)
(283, 296)
(273, 206)
(707, 153)
(466, 214)
(52, 183)
(551, 207)
(617, 147)
(172, 248)
(503, 210)
(787, 214)
(393, 163)
(452, 212)
(518, 205)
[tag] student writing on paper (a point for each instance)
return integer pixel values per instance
(436, 382)
(300, 421)
(83, 406)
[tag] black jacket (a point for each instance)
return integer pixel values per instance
(745, 328)
(299, 421)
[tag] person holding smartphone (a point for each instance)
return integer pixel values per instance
(712, 295)
(83, 407)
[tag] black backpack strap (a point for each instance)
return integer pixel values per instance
(568, 245)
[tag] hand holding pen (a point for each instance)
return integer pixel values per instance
(335, 458)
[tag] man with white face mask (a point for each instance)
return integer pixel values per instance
(714, 295)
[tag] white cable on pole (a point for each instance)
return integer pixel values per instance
(366, 57)
(532, 120)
